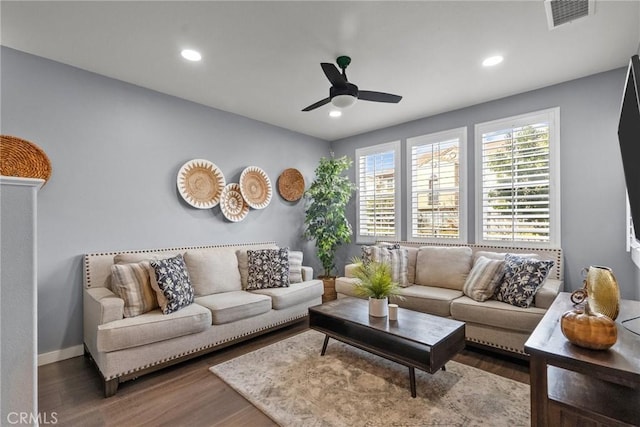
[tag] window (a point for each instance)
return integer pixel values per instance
(378, 201)
(518, 180)
(436, 198)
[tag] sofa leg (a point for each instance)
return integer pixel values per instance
(110, 387)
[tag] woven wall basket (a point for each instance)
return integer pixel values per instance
(19, 157)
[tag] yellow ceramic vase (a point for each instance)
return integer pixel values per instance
(602, 291)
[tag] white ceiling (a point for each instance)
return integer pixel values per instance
(261, 59)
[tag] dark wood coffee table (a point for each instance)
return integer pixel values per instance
(416, 340)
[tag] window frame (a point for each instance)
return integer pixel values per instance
(369, 151)
(429, 139)
(552, 116)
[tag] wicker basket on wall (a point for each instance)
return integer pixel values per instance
(21, 158)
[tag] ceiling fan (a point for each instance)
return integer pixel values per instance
(343, 94)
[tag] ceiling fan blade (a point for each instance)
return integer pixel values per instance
(368, 95)
(332, 73)
(317, 104)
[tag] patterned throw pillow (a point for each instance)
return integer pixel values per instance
(172, 283)
(268, 268)
(295, 266)
(394, 255)
(522, 279)
(131, 283)
(485, 276)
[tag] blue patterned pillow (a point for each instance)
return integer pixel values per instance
(268, 268)
(522, 279)
(173, 280)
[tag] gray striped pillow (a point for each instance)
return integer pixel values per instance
(295, 266)
(131, 283)
(395, 256)
(484, 278)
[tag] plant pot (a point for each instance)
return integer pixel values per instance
(378, 307)
(329, 283)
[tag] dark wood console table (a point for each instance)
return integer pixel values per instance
(573, 386)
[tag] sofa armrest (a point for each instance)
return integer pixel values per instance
(548, 292)
(103, 305)
(307, 273)
(349, 269)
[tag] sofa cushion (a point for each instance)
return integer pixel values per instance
(243, 261)
(171, 283)
(428, 299)
(496, 314)
(485, 276)
(131, 283)
(522, 279)
(268, 268)
(228, 307)
(445, 267)
(295, 266)
(213, 270)
(151, 327)
(295, 293)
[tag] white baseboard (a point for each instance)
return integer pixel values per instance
(58, 355)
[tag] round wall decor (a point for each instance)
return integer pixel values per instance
(21, 158)
(291, 184)
(200, 183)
(232, 204)
(255, 187)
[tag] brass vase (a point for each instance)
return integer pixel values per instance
(603, 292)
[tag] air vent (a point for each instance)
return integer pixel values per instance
(561, 12)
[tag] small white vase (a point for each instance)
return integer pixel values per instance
(378, 307)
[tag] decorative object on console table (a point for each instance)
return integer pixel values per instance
(200, 183)
(325, 215)
(601, 289)
(255, 187)
(24, 159)
(603, 293)
(571, 385)
(588, 329)
(291, 185)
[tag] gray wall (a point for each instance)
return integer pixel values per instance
(115, 150)
(593, 188)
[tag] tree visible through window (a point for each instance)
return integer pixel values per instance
(517, 181)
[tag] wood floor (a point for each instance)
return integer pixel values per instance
(186, 394)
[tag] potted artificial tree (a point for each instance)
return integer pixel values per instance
(375, 283)
(325, 220)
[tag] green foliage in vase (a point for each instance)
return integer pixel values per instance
(375, 280)
(325, 220)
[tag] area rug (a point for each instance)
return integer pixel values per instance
(292, 384)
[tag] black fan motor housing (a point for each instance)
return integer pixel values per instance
(349, 89)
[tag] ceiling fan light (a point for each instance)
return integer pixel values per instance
(343, 101)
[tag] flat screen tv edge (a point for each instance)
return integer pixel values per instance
(629, 139)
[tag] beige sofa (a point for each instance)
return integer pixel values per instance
(124, 348)
(493, 324)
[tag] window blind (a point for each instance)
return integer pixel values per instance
(377, 193)
(516, 187)
(435, 187)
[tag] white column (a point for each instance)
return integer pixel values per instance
(18, 300)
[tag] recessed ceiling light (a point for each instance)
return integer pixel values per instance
(335, 113)
(492, 60)
(191, 55)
